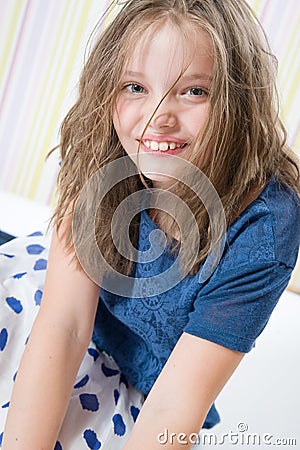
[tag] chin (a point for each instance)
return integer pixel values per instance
(158, 178)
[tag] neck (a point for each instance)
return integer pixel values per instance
(165, 222)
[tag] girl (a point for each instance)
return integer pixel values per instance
(175, 131)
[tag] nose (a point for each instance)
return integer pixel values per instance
(164, 117)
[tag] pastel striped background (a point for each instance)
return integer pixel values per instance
(42, 47)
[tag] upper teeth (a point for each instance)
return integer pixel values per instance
(162, 146)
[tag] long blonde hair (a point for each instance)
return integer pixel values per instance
(244, 135)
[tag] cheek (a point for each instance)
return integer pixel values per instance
(116, 121)
(116, 117)
(123, 116)
(123, 126)
(199, 119)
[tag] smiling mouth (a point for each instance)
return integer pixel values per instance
(163, 146)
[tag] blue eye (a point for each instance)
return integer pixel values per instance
(196, 91)
(135, 88)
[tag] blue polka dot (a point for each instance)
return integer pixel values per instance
(6, 405)
(58, 446)
(36, 233)
(91, 439)
(7, 255)
(19, 275)
(15, 376)
(14, 304)
(41, 264)
(89, 402)
(3, 338)
(119, 425)
(34, 249)
(1, 437)
(123, 379)
(116, 395)
(93, 353)
(82, 382)
(108, 372)
(134, 412)
(38, 297)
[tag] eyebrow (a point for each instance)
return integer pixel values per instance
(130, 73)
(197, 76)
(192, 77)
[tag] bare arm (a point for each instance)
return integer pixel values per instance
(179, 401)
(57, 343)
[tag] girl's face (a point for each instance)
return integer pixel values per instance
(153, 68)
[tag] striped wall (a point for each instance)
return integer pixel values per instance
(42, 46)
(281, 20)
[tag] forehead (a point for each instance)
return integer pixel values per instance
(166, 48)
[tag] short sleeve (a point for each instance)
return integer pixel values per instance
(234, 308)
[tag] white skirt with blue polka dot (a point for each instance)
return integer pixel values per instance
(103, 406)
